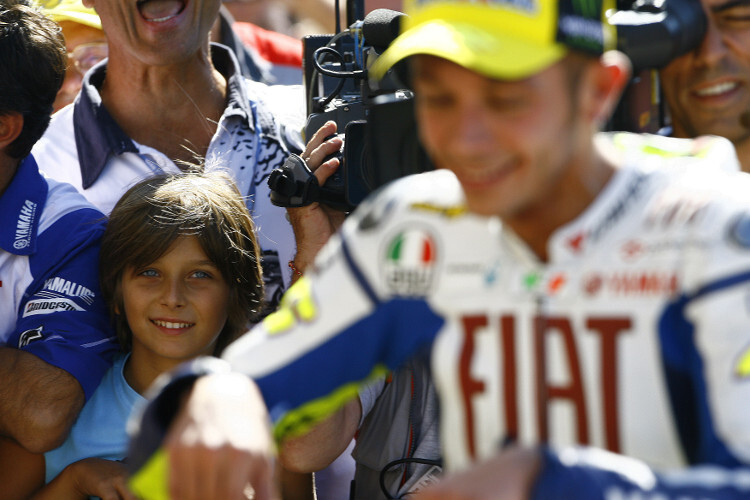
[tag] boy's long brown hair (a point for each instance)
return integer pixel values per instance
(155, 212)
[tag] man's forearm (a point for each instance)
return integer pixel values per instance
(324, 443)
(38, 402)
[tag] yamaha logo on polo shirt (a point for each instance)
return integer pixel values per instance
(24, 225)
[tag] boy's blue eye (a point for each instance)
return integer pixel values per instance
(201, 274)
(148, 272)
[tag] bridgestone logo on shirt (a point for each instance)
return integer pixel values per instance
(49, 306)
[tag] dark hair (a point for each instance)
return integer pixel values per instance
(151, 215)
(32, 65)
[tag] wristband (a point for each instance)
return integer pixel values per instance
(295, 271)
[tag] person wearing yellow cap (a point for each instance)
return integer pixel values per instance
(84, 40)
(581, 296)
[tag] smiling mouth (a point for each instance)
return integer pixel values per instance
(158, 11)
(481, 177)
(717, 89)
(170, 325)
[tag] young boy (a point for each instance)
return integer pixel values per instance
(180, 270)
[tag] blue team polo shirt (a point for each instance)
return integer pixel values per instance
(50, 300)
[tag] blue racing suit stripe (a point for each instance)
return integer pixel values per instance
(303, 392)
(619, 477)
(683, 368)
(357, 272)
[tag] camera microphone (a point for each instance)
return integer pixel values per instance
(381, 26)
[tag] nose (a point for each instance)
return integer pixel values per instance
(471, 130)
(173, 294)
(713, 47)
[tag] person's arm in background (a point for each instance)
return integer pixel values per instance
(319, 447)
(62, 342)
(22, 472)
(315, 224)
(38, 402)
(22, 476)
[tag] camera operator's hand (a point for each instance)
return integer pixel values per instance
(315, 223)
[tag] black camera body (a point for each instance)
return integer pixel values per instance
(376, 150)
(378, 126)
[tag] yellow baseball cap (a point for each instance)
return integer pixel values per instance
(70, 10)
(503, 39)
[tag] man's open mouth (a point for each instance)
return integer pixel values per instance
(160, 10)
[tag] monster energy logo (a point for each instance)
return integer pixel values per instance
(590, 9)
(580, 25)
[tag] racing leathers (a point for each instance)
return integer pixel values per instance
(625, 356)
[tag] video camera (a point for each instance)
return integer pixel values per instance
(378, 126)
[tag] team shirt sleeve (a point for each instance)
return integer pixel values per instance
(63, 319)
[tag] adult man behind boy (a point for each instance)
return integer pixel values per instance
(55, 339)
(708, 88)
(571, 288)
(165, 97)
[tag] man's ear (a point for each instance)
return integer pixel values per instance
(610, 77)
(11, 125)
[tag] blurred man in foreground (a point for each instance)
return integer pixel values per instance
(580, 296)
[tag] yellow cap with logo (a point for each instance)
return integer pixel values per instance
(70, 10)
(504, 39)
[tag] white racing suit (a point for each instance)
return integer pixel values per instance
(626, 355)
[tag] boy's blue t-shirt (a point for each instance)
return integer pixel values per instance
(100, 430)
